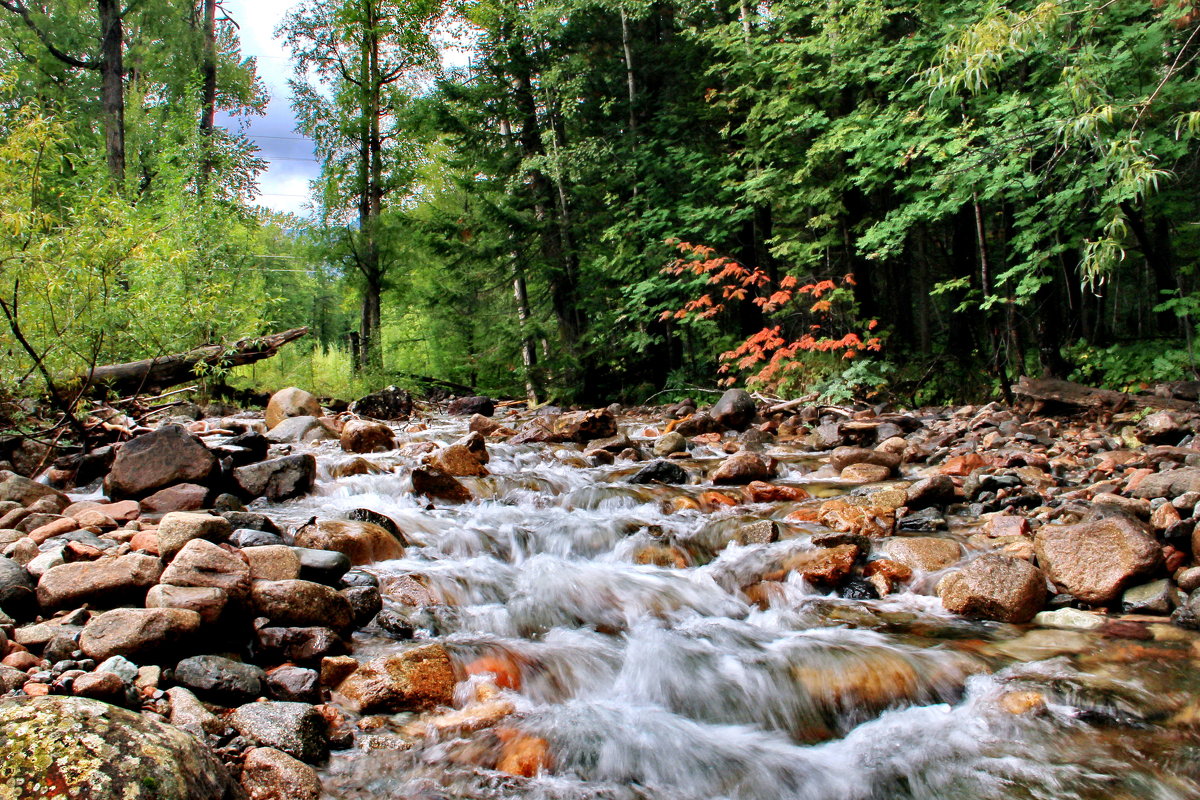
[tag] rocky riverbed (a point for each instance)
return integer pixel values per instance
(665, 602)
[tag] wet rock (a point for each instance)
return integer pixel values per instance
(138, 633)
(886, 575)
(482, 425)
(923, 553)
(826, 567)
(923, 521)
(1163, 427)
(275, 562)
(278, 479)
(1069, 619)
(995, 587)
(362, 542)
(17, 586)
(742, 468)
(735, 410)
(584, 426)
(764, 531)
(862, 520)
(697, 424)
(1171, 483)
(19, 489)
(294, 684)
(202, 563)
(365, 436)
(181, 497)
(89, 749)
(865, 473)
(843, 457)
(1149, 598)
(322, 566)
(668, 443)
(660, 471)
(365, 602)
(301, 603)
(155, 460)
(523, 754)
(178, 528)
(270, 774)
(219, 678)
(301, 645)
(208, 602)
(246, 537)
(416, 679)
(1096, 561)
(104, 581)
(438, 485)
(294, 728)
(300, 430)
(463, 406)
(291, 402)
(389, 404)
(458, 460)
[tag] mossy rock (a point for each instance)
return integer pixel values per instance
(78, 749)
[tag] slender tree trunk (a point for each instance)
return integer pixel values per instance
(528, 353)
(371, 199)
(631, 86)
(208, 90)
(112, 89)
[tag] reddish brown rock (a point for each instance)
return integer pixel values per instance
(865, 473)
(183, 497)
(742, 468)
(826, 566)
(843, 457)
(762, 492)
(438, 485)
(204, 564)
(522, 754)
(847, 517)
(55, 528)
(207, 601)
(105, 581)
(291, 402)
(995, 587)
(137, 633)
(458, 460)
(178, 528)
(1096, 561)
(155, 460)
(365, 436)
(301, 603)
(924, 553)
(361, 542)
(1004, 525)
(415, 679)
(270, 774)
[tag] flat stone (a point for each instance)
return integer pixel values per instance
(278, 479)
(138, 633)
(220, 678)
(1069, 619)
(178, 528)
(104, 581)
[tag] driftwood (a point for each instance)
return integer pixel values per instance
(1053, 390)
(157, 374)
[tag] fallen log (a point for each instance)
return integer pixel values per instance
(1054, 390)
(158, 374)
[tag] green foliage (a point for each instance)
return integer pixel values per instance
(1131, 366)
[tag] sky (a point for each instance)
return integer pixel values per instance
(285, 184)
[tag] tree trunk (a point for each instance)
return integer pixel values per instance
(112, 88)
(208, 90)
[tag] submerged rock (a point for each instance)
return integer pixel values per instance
(415, 679)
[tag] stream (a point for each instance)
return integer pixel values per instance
(616, 620)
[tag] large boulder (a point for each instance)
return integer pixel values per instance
(278, 479)
(995, 586)
(291, 402)
(465, 406)
(735, 410)
(158, 459)
(137, 633)
(79, 749)
(204, 564)
(366, 436)
(295, 728)
(1096, 561)
(106, 581)
(19, 489)
(415, 679)
(301, 603)
(362, 542)
(300, 430)
(390, 403)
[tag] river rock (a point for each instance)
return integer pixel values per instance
(220, 678)
(1096, 561)
(17, 586)
(458, 460)
(865, 473)
(207, 601)
(19, 489)
(668, 443)
(181, 497)
(924, 553)
(247, 537)
(742, 468)
(294, 684)
(104, 581)
(825, 566)
(80, 749)
(764, 531)
(1069, 619)
(1149, 598)
(361, 542)
(995, 586)
(366, 436)
(1163, 427)
(295, 728)
(322, 566)
(438, 485)
(416, 679)
(390, 403)
(483, 425)
(660, 471)
(137, 633)
(735, 410)
(843, 457)
(202, 563)
(300, 430)
(273, 562)
(155, 460)
(291, 402)
(188, 713)
(464, 406)
(584, 426)
(99, 686)
(1170, 484)
(179, 527)
(301, 645)
(278, 479)
(270, 774)
(301, 603)
(696, 424)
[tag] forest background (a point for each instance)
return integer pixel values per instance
(921, 200)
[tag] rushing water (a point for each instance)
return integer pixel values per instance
(664, 682)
